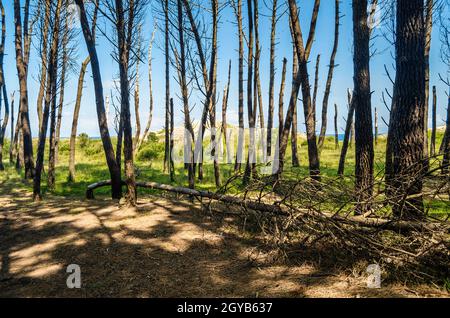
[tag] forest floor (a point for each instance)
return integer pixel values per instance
(163, 248)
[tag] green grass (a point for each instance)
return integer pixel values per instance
(91, 167)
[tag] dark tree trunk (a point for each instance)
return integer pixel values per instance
(114, 170)
(224, 131)
(50, 101)
(240, 148)
(323, 129)
(363, 108)
(250, 110)
(272, 78)
(408, 117)
(446, 141)
(167, 82)
(3, 87)
(336, 131)
(428, 30)
(295, 160)
(172, 125)
(22, 70)
(124, 59)
(189, 131)
(309, 112)
(11, 140)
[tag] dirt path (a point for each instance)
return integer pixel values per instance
(164, 248)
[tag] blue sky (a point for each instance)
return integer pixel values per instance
(228, 44)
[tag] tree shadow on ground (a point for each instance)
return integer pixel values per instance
(164, 248)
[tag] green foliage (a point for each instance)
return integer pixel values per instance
(151, 149)
(83, 140)
(93, 148)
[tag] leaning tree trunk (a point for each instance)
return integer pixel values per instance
(408, 117)
(348, 128)
(76, 115)
(309, 112)
(114, 170)
(224, 131)
(43, 78)
(331, 67)
(364, 155)
(294, 135)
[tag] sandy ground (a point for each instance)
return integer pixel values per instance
(163, 248)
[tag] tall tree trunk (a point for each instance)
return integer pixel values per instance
(250, 110)
(408, 116)
(294, 135)
(433, 127)
(3, 87)
(189, 131)
(150, 85)
(428, 31)
(22, 70)
(363, 108)
(309, 112)
(172, 125)
(43, 73)
(272, 78)
(50, 101)
(348, 128)
(116, 182)
(224, 115)
(123, 57)
(76, 115)
(336, 131)
(376, 126)
(240, 148)
(446, 141)
(167, 82)
(137, 136)
(11, 143)
(323, 129)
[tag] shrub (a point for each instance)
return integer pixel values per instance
(151, 150)
(83, 140)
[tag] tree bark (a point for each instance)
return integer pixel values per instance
(240, 148)
(428, 31)
(22, 71)
(114, 170)
(336, 131)
(433, 125)
(408, 117)
(323, 129)
(348, 128)
(124, 44)
(167, 84)
(50, 101)
(363, 108)
(309, 112)
(272, 78)
(294, 135)
(3, 87)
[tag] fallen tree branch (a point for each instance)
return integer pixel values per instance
(380, 223)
